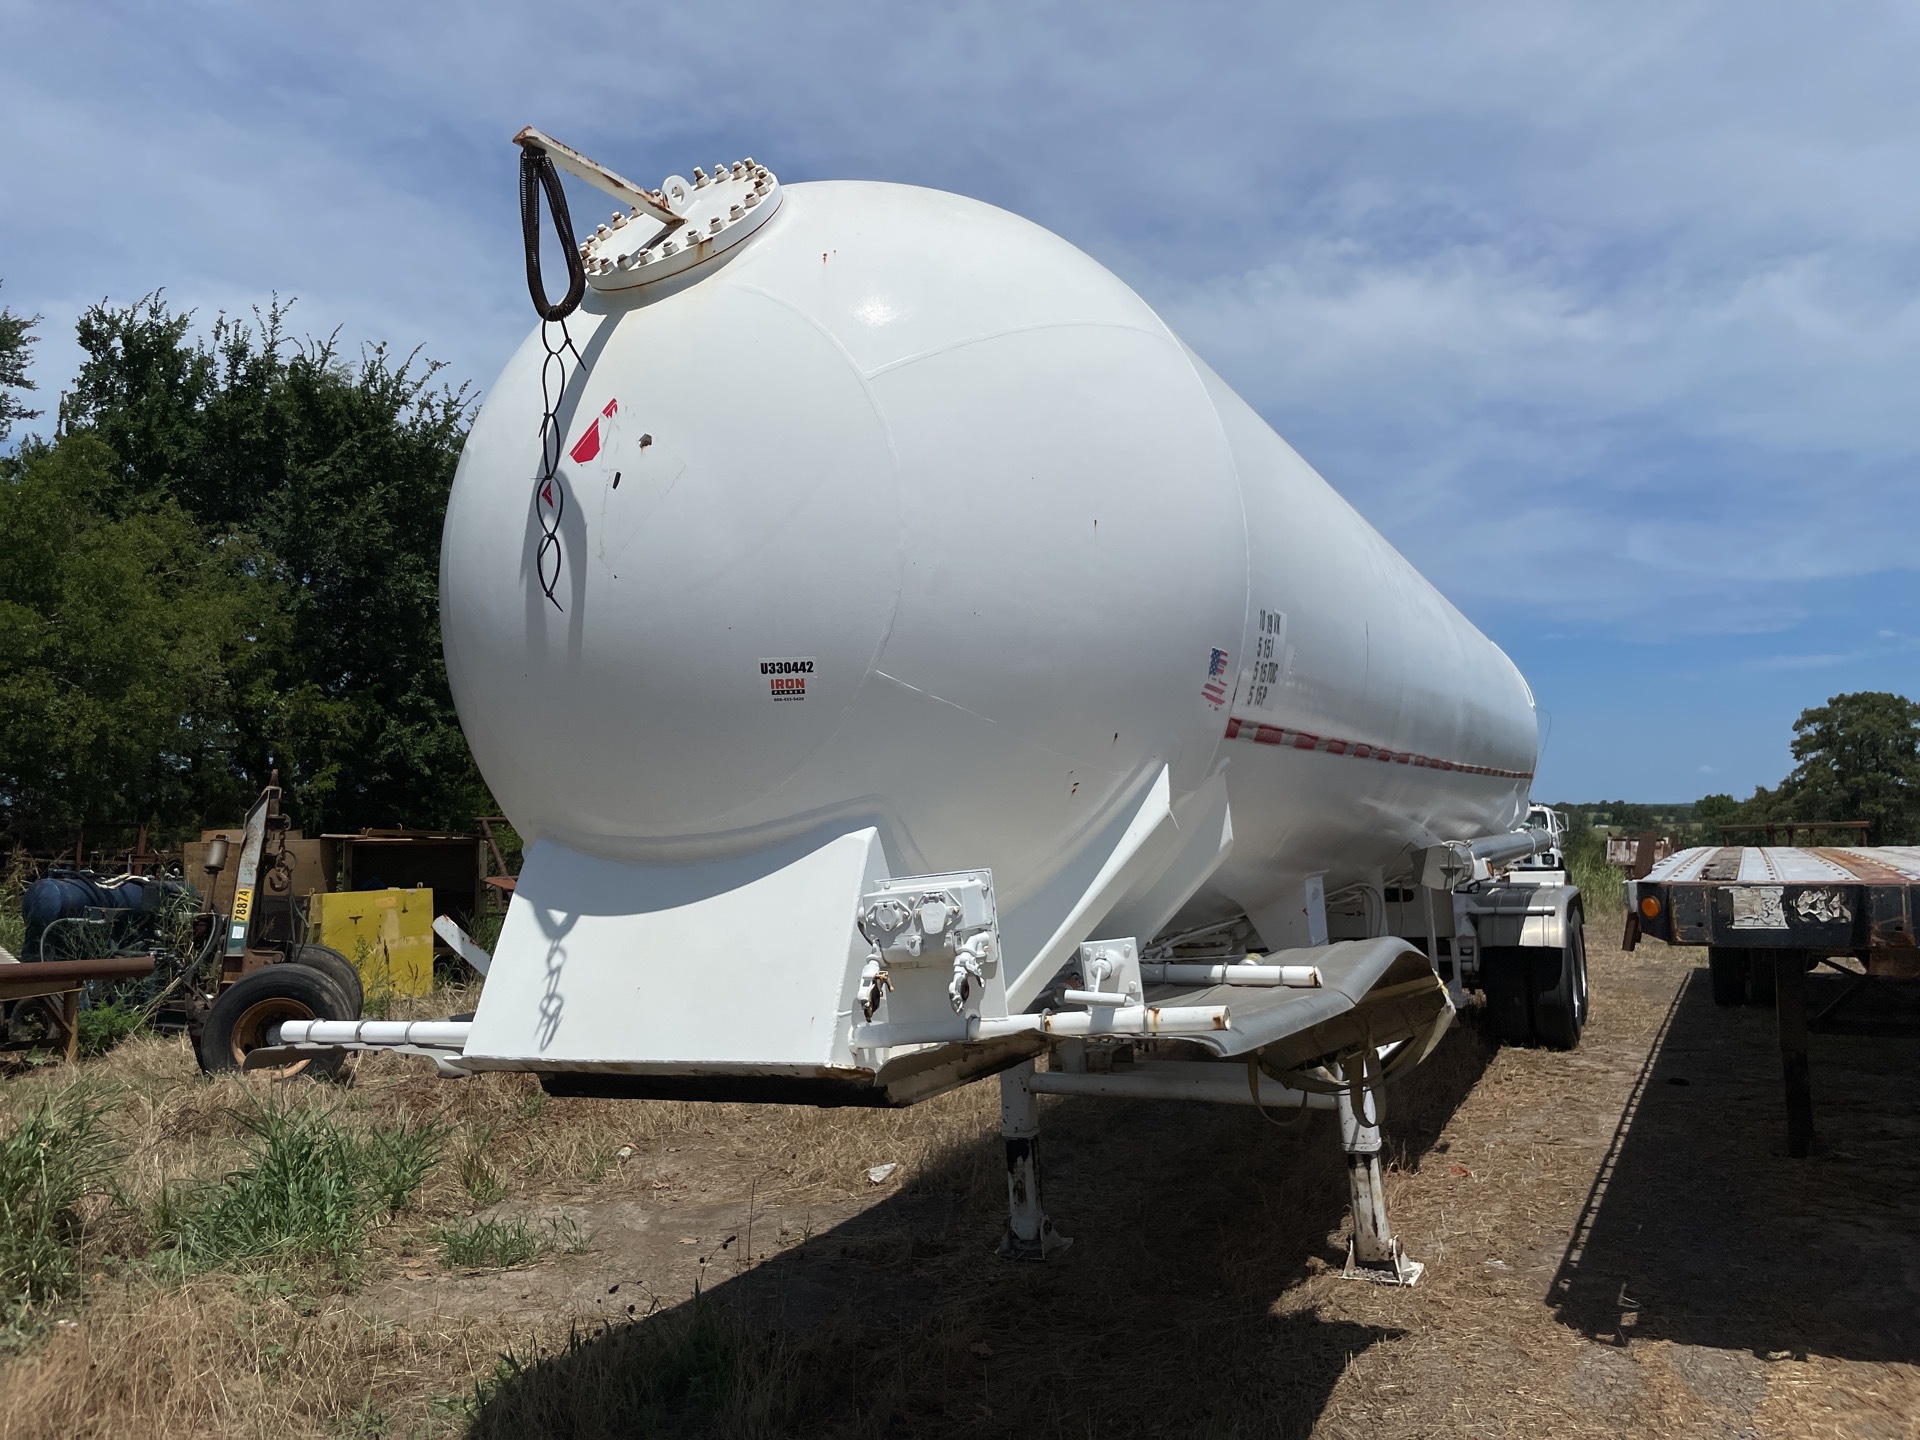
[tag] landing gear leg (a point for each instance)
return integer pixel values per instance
(1030, 1234)
(1790, 1004)
(1374, 1253)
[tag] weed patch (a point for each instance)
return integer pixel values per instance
(498, 1244)
(1602, 886)
(55, 1157)
(13, 883)
(103, 1026)
(311, 1192)
(482, 1182)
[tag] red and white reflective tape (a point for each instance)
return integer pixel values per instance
(1238, 729)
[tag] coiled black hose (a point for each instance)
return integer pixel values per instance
(537, 174)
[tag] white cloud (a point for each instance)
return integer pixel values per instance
(1819, 661)
(1616, 304)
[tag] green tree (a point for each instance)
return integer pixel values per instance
(337, 473)
(1710, 812)
(16, 348)
(1859, 759)
(129, 651)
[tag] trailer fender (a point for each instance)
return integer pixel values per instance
(1524, 915)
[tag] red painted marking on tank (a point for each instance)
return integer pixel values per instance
(1238, 729)
(588, 445)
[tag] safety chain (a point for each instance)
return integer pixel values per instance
(537, 174)
(550, 490)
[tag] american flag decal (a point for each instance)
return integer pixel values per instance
(1215, 690)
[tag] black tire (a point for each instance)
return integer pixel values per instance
(1727, 968)
(337, 968)
(1503, 979)
(1559, 983)
(1537, 995)
(244, 1013)
(1761, 979)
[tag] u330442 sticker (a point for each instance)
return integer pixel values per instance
(787, 679)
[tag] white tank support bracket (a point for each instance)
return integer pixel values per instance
(1374, 1252)
(1109, 974)
(1030, 1234)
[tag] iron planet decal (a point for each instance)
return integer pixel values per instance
(787, 679)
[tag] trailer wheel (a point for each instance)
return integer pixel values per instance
(1503, 979)
(337, 968)
(1559, 983)
(244, 1014)
(1760, 979)
(1727, 968)
(1537, 995)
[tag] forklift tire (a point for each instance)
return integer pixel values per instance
(245, 1013)
(1503, 978)
(337, 968)
(1727, 968)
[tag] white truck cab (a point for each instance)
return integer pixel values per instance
(1549, 866)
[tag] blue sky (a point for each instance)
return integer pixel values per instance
(1607, 316)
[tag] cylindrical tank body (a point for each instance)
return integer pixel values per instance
(909, 513)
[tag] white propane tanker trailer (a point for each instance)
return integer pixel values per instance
(908, 662)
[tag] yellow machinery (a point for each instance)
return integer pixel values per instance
(387, 934)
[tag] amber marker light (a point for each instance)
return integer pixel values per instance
(1650, 907)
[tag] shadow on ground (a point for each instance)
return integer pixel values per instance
(1700, 1230)
(1189, 1223)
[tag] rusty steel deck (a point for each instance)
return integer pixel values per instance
(1825, 900)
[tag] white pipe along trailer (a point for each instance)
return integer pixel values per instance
(909, 662)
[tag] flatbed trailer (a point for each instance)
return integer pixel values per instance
(1768, 914)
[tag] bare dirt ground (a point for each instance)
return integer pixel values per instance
(1615, 1240)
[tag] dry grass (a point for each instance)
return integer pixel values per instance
(294, 1350)
(1202, 1297)
(217, 1357)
